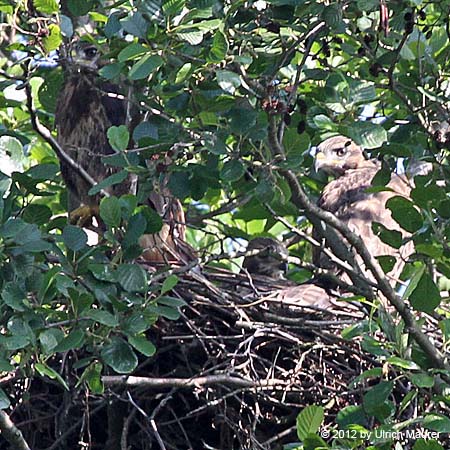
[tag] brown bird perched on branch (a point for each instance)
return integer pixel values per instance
(267, 257)
(348, 199)
(87, 106)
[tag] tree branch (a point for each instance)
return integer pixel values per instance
(158, 383)
(11, 433)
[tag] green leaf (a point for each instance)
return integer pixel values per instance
(383, 176)
(142, 345)
(173, 7)
(135, 24)
(135, 229)
(169, 283)
(49, 339)
(145, 66)
(103, 317)
(242, 120)
(112, 180)
(232, 171)
(405, 214)
(153, 219)
(171, 301)
(74, 237)
(183, 73)
(11, 152)
(228, 81)
(132, 278)
(119, 356)
(14, 296)
(192, 37)
(427, 444)
(118, 137)
(92, 376)
(46, 6)
(14, 342)
(179, 184)
(49, 89)
(80, 7)
(138, 323)
(53, 40)
(111, 71)
(332, 15)
(166, 311)
(145, 129)
(113, 24)
(386, 262)
(403, 363)
(391, 237)
(426, 296)
(323, 122)
(376, 396)
(74, 340)
(4, 400)
(367, 134)
(110, 211)
(47, 371)
(314, 442)
(38, 214)
(43, 172)
(422, 380)
(353, 414)
(219, 48)
(132, 51)
(102, 272)
(309, 421)
(437, 422)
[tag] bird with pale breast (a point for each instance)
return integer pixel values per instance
(347, 196)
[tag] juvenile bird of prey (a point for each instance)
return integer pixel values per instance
(267, 257)
(87, 106)
(348, 199)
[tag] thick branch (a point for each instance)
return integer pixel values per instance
(158, 383)
(11, 433)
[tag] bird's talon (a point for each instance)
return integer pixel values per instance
(82, 216)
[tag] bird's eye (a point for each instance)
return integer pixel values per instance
(91, 52)
(340, 152)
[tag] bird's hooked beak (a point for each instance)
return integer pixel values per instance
(319, 161)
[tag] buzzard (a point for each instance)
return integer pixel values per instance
(347, 197)
(86, 108)
(267, 257)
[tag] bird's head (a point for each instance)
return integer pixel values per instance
(338, 154)
(85, 54)
(266, 256)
